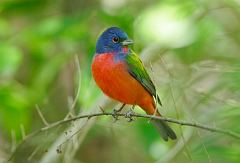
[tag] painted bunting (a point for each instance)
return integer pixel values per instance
(121, 75)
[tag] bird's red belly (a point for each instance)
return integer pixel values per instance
(116, 82)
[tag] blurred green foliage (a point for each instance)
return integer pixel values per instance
(197, 76)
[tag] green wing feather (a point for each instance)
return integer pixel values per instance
(137, 70)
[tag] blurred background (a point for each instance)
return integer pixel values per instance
(190, 49)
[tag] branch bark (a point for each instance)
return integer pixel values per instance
(171, 120)
(130, 116)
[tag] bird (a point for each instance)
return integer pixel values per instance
(120, 74)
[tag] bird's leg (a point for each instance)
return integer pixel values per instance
(133, 107)
(120, 109)
(129, 114)
(115, 111)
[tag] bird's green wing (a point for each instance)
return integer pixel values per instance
(137, 70)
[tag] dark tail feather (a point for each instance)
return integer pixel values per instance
(164, 130)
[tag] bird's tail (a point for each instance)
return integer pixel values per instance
(164, 130)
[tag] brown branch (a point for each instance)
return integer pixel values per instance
(171, 120)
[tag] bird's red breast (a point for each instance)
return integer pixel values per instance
(115, 81)
(121, 75)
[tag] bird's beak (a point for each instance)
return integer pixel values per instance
(127, 42)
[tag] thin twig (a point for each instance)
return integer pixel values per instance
(204, 147)
(171, 120)
(175, 105)
(33, 153)
(78, 88)
(22, 131)
(41, 116)
(14, 140)
(68, 139)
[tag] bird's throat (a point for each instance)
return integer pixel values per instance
(125, 49)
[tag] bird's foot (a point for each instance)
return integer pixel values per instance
(115, 116)
(116, 111)
(129, 114)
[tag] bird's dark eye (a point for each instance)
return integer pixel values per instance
(115, 39)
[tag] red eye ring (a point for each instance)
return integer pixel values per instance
(115, 39)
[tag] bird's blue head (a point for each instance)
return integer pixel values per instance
(111, 40)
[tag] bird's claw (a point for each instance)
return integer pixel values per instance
(115, 111)
(128, 115)
(115, 116)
